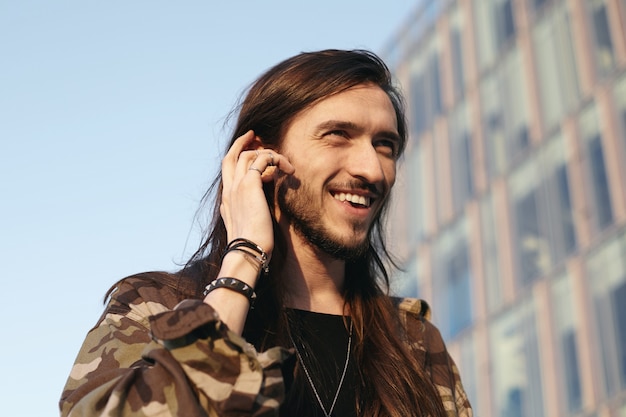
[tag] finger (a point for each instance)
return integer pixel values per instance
(250, 160)
(230, 159)
(267, 159)
(241, 143)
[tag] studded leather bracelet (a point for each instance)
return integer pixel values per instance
(232, 284)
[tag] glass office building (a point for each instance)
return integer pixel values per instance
(509, 214)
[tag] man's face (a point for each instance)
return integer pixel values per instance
(344, 151)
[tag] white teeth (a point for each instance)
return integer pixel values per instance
(353, 198)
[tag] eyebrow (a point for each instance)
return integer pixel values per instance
(347, 125)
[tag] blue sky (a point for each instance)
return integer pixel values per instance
(111, 121)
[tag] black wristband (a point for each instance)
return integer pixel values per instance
(233, 284)
(258, 253)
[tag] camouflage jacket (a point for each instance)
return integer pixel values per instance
(151, 354)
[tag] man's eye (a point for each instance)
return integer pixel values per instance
(341, 133)
(387, 145)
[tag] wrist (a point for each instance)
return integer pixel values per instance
(251, 251)
(241, 265)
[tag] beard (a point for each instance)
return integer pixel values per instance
(294, 200)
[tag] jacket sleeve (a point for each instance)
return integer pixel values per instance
(144, 358)
(425, 340)
(445, 375)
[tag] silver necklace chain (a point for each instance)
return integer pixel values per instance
(308, 375)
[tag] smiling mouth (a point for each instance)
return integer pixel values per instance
(354, 199)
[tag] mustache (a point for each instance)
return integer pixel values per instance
(373, 189)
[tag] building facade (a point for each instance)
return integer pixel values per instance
(509, 214)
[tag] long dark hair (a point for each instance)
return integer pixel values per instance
(402, 387)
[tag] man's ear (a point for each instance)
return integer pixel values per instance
(256, 144)
(260, 144)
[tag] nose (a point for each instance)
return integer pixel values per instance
(365, 163)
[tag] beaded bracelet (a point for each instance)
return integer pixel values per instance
(233, 284)
(245, 245)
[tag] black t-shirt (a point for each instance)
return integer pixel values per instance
(322, 342)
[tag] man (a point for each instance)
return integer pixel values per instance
(297, 235)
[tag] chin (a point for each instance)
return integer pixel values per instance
(341, 249)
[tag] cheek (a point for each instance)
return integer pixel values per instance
(311, 166)
(389, 168)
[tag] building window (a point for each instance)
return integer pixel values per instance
(505, 22)
(495, 23)
(457, 64)
(603, 50)
(468, 368)
(531, 240)
(406, 282)
(505, 115)
(558, 205)
(606, 272)
(517, 384)
(604, 214)
(452, 281)
(599, 191)
(491, 256)
(513, 89)
(435, 76)
(538, 4)
(417, 189)
(493, 128)
(426, 99)
(566, 347)
(456, 36)
(419, 105)
(566, 230)
(542, 209)
(620, 105)
(485, 33)
(461, 157)
(556, 65)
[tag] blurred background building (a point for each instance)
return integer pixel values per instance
(510, 209)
